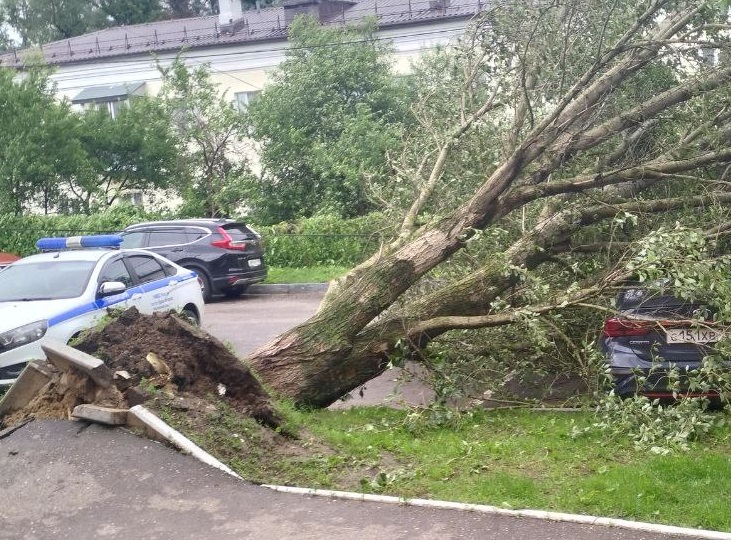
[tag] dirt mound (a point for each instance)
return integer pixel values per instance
(165, 352)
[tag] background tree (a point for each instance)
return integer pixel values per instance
(211, 133)
(42, 21)
(38, 148)
(181, 9)
(126, 12)
(325, 124)
(591, 112)
(136, 150)
(6, 41)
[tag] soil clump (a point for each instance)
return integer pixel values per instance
(164, 352)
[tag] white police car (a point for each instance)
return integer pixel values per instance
(68, 288)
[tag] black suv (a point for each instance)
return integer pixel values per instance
(227, 255)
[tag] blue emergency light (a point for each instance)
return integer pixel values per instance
(79, 242)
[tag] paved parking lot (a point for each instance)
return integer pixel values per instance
(249, 322)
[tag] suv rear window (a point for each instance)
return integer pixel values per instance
(238, 232)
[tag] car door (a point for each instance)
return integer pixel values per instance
(153, 290)
(115, 270)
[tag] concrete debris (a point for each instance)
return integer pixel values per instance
(101, 415)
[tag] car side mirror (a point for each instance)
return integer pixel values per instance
(111, 287)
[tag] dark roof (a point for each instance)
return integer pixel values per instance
(256, 25)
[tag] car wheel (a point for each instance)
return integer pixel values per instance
(191, 316)
(205, 282)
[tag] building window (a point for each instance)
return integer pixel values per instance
(112, 107)
(108, 98)
(243, 99)
(131, 197)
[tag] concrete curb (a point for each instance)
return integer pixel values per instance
(536, 514)
(156, 429)
(287, 288)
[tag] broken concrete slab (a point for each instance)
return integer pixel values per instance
(101, 415)
(32, 379)
(65, 357)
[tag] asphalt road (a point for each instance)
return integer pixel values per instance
(251, 321)
(69, 480)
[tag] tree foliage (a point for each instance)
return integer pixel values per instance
(572, 130)
(42, 21)
(136, 150)
(54, 159)
(212, 148)
(126, 12)
(325, 123)
(37, 146)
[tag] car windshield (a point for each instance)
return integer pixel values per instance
(44, 280)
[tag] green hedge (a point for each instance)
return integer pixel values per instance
(322, 240)
(18, 234)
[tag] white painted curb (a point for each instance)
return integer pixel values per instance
(154, 423)
(538, 514)
(176, 438)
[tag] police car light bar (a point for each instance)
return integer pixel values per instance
(79, 242)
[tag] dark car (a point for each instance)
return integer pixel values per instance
(653, 333)
(227, 255)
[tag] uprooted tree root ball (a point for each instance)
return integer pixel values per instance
(166, 352)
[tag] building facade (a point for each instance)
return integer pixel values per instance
(241, 47)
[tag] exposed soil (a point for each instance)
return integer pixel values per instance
(165, 352)
(204, 390)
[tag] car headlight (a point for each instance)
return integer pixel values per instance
(18, 337)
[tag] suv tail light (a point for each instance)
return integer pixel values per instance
(228, 242)
(617, 327)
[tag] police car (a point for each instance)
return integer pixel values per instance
(70, 286)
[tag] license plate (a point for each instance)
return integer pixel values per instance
(253, 263)
(692, 335)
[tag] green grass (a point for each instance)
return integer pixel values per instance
(314, 274)
(521, 459)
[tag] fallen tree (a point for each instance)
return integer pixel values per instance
(570, 114)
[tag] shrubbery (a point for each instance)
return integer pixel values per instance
(324, 240)
(321, 240)
(19, 233)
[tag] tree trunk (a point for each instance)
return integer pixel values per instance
(349, 340)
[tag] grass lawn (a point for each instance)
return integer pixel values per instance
(508, 458)
(313, 274)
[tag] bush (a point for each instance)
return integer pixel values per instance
(21, 232)
(324, 241)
